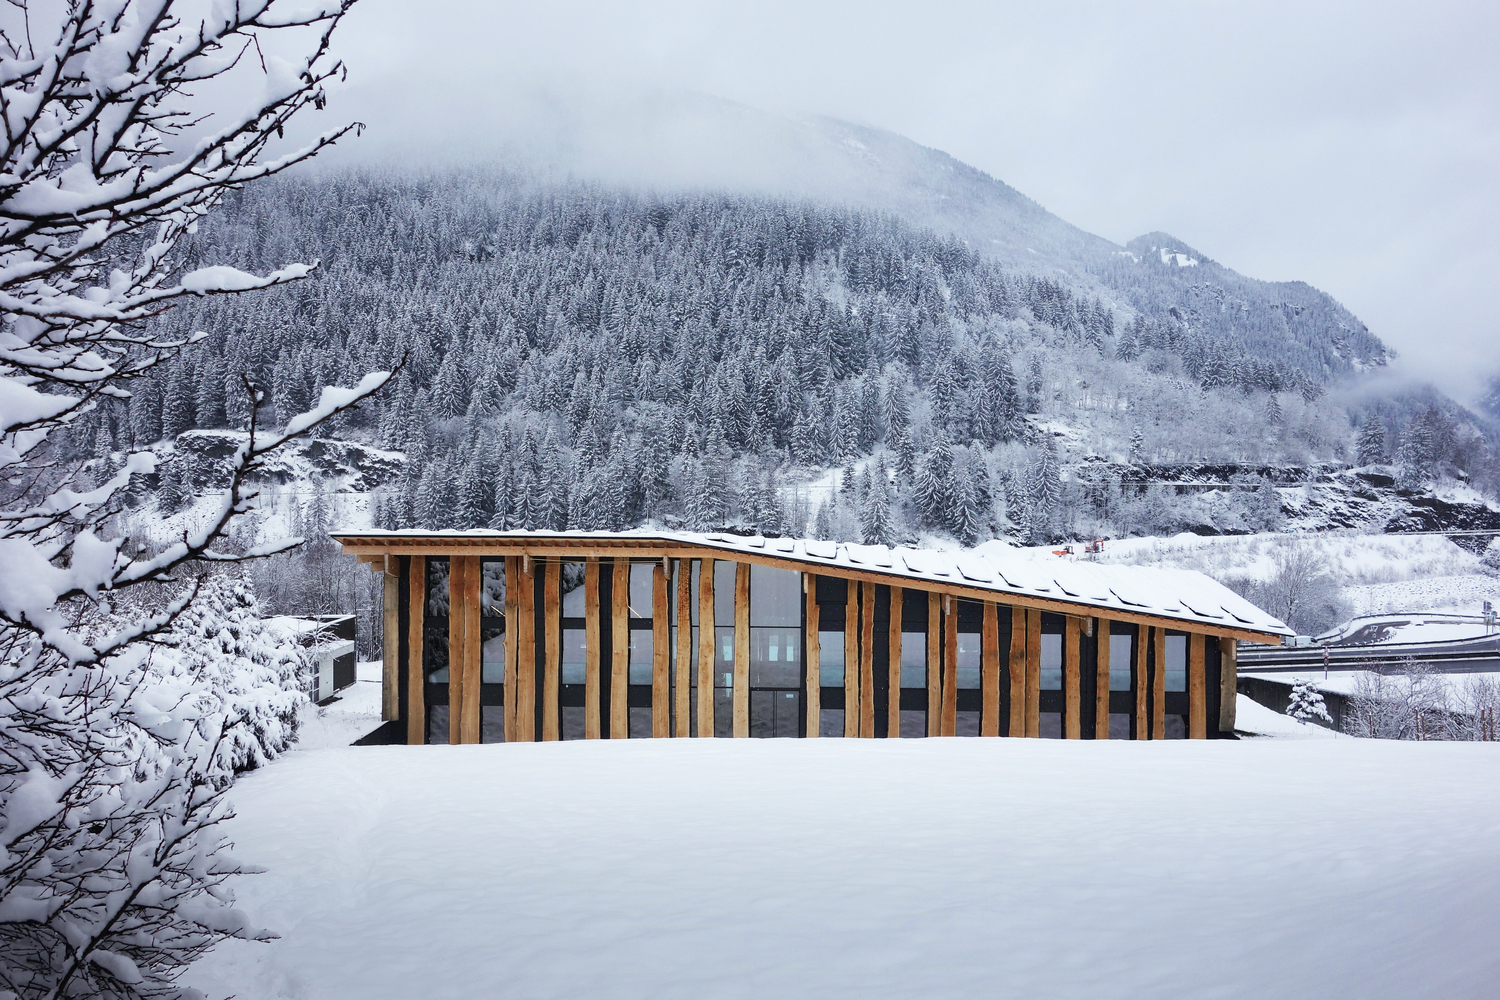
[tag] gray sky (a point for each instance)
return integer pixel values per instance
(1355, 146)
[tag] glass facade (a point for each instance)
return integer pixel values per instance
(776, 668)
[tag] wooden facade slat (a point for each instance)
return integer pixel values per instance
(390, 642)
(1101, 679)
(416, 700)
(1018, 696)
(1159, 687)
(661, 707)
(706, 640)
(851, 661)
(1072, 657)
(682, 682)
(741, 691)
(934, 663)
(950, 667)
(1033, 673)
(619, 667)
(1229, 681)
(867, 660)
(814, 678)
(1142, 685)
(658, 550)
(463, 649)
(512, 631)
(525, 711)
(591, 639)
(989, 672)
(552, 647)
(1197, 704)
(893, 666)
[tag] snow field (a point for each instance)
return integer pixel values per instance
(903, 868)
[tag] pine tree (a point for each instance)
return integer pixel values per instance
(1306, 703)
(1371, 447)
(934, 497)
(875, 512)
(1034, 385)
(179, 402)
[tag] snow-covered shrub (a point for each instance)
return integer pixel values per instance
(244, 672)
(1411, 705)
(1307, 703)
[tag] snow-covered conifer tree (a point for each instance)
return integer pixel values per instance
(1307, 703)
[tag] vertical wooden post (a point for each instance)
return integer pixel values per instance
(525, 711)
(661, 709)
(1101, 684)
(1033, 673)
(1159, 689)
(814, 697)
(390, 641)
(893, 667)
(1018, 696)
(741, 692)
(416, 700)
(512, 645)
(867, 660)
(851, 660)
(950, 666)
(706, 640)
(463, 649)
(683, 681)
(552, 644)
(1072, 655)
(934, 664)
(1229, 673)
(619, 668)
(1197, 706)
(1142, 684)
(591, 613)
(989, 672)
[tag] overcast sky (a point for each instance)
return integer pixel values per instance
(1355, 146)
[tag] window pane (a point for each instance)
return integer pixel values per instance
(492, 587)
(1052, 661)
(641, 575)
(571, 586)
(831, 660)
(492, 657)
(574, 653)
(775, 596)
(774, 657)
(968, 660)
(1176, 663)
(642, 644)
(913, 661)
(1120, 647)
(724, 592)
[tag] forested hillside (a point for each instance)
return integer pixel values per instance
(578, 356)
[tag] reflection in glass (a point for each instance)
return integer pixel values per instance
(774, 657)
(435, 655)
(642, 646)
(492, 587)
(641, 576)
(570, 583)
(437, 586)
(913, 662)
(1120, 648)
(437, 724)
(831, 659)
(492, 656)
(1176, 663)
(574, 655)
(1052, 661)
(968, 661)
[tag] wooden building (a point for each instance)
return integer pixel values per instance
(501, 636)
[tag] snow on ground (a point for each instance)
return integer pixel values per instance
(871, 868)
(1460, 594)
(1347, 681)
(354, 712)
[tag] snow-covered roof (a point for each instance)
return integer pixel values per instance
(1184, 595)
